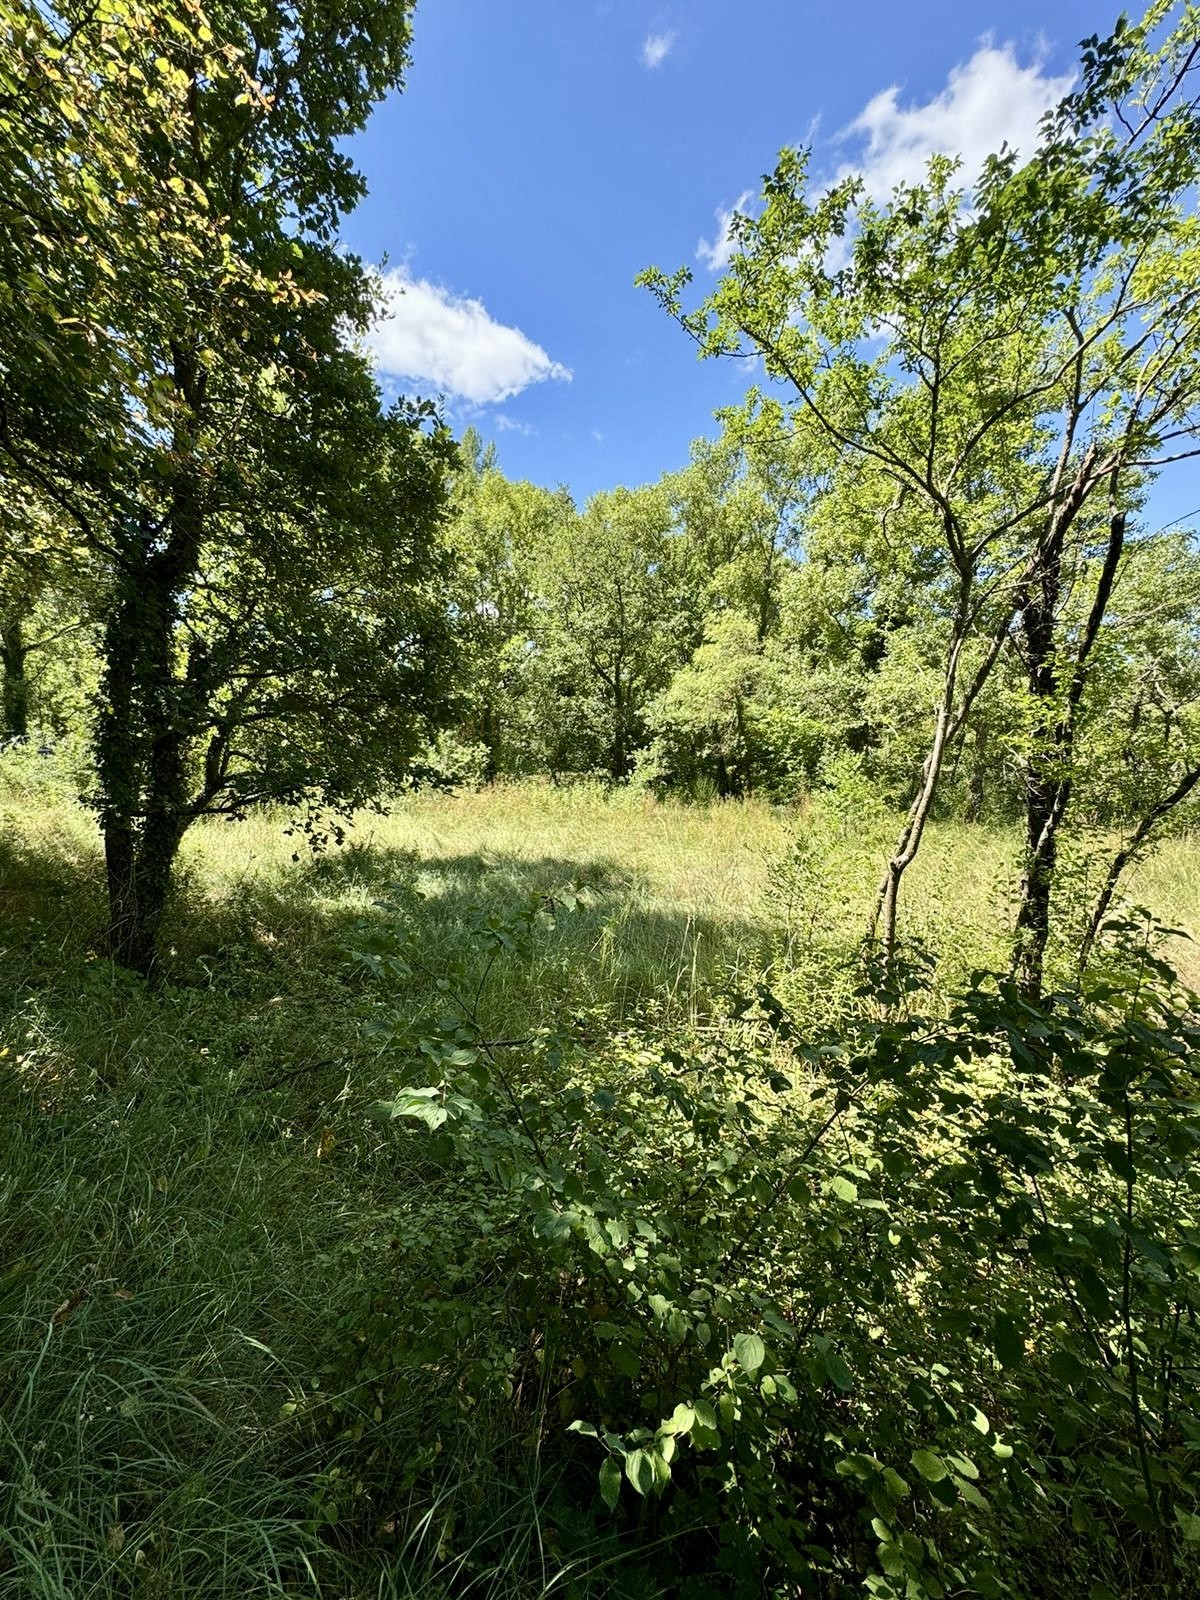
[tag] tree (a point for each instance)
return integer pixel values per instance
(1139, 725)
(894, 357)
(1100, 215)
(303, 659)
(500, 531)
(267, 530)
(1010, 372)
(739, 504)
(609, 638)
(704, 725)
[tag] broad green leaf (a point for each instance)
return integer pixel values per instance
(681, 1419)
(1008, 1340)
(705, 1415)
(896, 1486)
(930, 1465)
(970, 1493)
(838, 1372)
(625, 1359)
(750, 1352)
(639, 1469)
(610, 1481)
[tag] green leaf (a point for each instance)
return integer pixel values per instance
(970, 1493)
(843, 1189)
(705, 1415)
(639, 1469)
(625, 1359)
(610, 1482)
(838, 1372)
(1093, 1291)
(944, 1491)
(750, 1352)
(896, 1486)
(680, 1421)
(930, 1465)
(1008, 1340)
(424, 1105)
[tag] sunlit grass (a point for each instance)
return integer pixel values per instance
(192, 1197)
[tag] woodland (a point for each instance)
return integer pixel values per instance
(644, 1047)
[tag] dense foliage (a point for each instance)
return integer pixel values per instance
(264, 589)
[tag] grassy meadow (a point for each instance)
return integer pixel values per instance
(200, 1222)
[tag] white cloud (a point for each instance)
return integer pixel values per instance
(716, 253)
(597, 436)
(988, 101)
(507, 424)
(657, 48)
(427, 334)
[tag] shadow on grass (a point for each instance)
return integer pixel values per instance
(262, 976)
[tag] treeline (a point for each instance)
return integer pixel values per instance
(738, 629)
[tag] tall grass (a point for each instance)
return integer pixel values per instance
(197, 1214)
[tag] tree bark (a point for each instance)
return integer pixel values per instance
(887, 903)
(150, 714)
(1044, 802)
(13, 652)
(141, 757)
(1049, 777)
(1129, 852)
(118, 770)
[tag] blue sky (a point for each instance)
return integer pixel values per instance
(547, 150)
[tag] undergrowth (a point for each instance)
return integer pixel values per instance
(532, 1198)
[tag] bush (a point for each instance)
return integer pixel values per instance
(909, 1311)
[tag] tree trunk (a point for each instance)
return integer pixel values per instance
(138, 867)
(1049, 776)
(1044, 804)
(148, 718)
(947, 726)
(137, 849)
(1129, 852)
(618, 756)
(724, 786)
(976, 776)
(149, 713)
(887, 903)
(126, 935)
(120, 767)
(13, 652)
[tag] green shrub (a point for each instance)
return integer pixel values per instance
(907, 1310)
